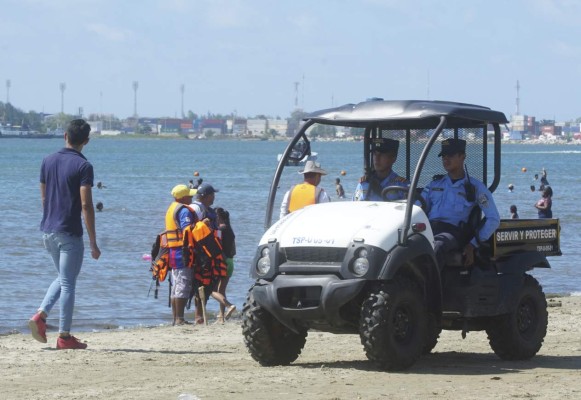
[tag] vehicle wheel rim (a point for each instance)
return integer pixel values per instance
(402, 324)
(526, 317)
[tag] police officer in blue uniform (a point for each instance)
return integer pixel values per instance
(384, 156)
(450, 200)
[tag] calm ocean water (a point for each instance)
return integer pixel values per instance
(139, 174)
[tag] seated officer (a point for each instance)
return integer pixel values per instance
(450, 200)
(384, 156)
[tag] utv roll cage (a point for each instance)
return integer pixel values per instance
(408, 117)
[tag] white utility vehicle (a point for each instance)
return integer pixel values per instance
(369, 267)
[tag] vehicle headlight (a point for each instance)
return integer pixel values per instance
(263, 264)
(361, 264)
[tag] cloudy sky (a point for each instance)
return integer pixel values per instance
(245, 56)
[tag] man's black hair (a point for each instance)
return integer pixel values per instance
(78, 131)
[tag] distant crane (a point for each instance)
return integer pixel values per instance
(63, 87)
(182, 91)
(517, 97)
(296, 95)
(8, 84)
(135, 87)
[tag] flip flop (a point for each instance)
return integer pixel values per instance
(230, 311)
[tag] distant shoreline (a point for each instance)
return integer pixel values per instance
(287, 139)
(259, 139)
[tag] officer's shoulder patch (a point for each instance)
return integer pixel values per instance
(437, 177)
(483, 201)
(400, 179)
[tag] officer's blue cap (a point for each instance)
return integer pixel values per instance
(452, 146)
(384, 145)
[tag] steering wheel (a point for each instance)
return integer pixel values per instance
(404, 189)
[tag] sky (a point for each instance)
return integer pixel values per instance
(248, 57)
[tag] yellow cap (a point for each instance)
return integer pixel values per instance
(180, 191)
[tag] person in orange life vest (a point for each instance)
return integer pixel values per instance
(305, 193)
(178, 217)
(202, 206)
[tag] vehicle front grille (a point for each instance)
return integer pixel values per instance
(299, 297)
(315, 254)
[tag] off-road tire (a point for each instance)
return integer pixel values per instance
(268, 341)
(519, 335)
(393, 324)
(433, 334)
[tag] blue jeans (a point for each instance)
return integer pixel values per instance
(67, 254)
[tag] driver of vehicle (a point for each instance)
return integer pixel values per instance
(384, 156)
(449, 202)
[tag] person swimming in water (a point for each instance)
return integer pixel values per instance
(513, 212)
(544, 181)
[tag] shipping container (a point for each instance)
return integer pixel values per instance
(516, 135)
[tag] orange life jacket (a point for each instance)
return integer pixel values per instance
(202, 250)
(302, 195)
(172, 237)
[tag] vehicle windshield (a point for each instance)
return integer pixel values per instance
(341, 152)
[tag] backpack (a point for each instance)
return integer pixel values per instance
(159, 260)
(202, 251)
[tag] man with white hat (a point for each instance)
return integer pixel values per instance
(305, 193)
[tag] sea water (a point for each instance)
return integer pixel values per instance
(138, 175)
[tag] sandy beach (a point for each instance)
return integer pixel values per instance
(211, 362)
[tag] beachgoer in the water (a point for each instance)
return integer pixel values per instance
(339, 189)
(513, 212)
(100, 185)
(510, 187)
(544, 181)
(545, 204)
(99, 206)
